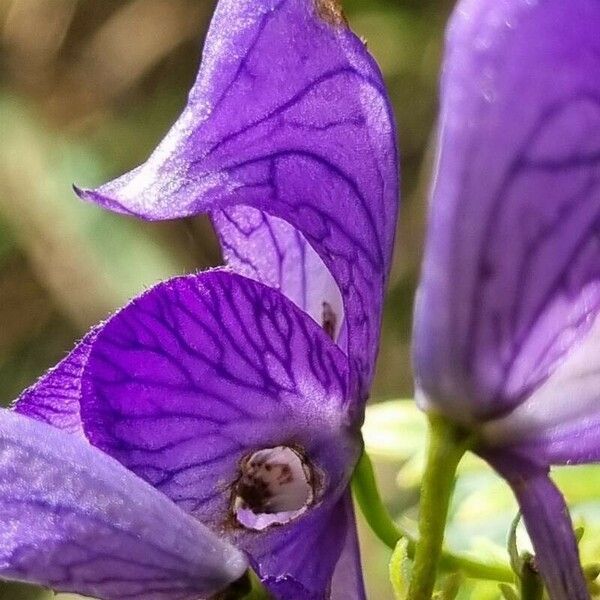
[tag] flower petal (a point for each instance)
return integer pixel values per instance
(288, 115)
(271, 251)
(511, 270)
(203, 370)
(574, 442)
(195, 376)
(548, 524)
(560, 422)
(75, 520)
(54, 399)
(293, 570)
(347, 579)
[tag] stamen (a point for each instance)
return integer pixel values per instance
(275, 487)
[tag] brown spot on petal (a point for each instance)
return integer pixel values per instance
(328, 320)
(331, 12)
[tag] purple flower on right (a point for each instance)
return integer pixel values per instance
(507, 329)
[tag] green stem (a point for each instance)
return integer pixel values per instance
(447, 446)
(366, 493)
(364, 488)
(531, 585)
(258, 591)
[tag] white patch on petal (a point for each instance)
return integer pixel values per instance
(275, 487)
(570, 394)
(269, 249)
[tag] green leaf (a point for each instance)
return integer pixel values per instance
(451, 586)
(532, 587)
(513, 551)
(592, 571)
(400, 569)
(508, 591)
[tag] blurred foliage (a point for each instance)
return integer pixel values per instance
(87, 88)
(483, 507)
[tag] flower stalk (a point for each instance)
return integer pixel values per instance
(366, 493)
(447, 445)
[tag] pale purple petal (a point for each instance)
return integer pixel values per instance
(549, 526)
(511, 280)
(271, 251)
(54, 399)
(289, 115)
(573, 443)
(74, 519)
(560, 421)
(202, 371)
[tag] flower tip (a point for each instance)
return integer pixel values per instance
(81, 192)
(95, 197)
(87, 194)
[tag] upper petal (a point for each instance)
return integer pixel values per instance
(74, 519)
(54, 398)
(288, 115)
(511, 281)
(192, 378)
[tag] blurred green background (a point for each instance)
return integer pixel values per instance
(87, 88)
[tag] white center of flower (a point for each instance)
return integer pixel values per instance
(275, 487)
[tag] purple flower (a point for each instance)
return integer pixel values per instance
(506, 336)
(234, 403)
(239, 393)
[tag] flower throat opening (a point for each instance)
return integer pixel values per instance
(275, 486)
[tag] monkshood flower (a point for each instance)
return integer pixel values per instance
(235, 403)
(507, 334)
(240, 393)
(232, 402)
